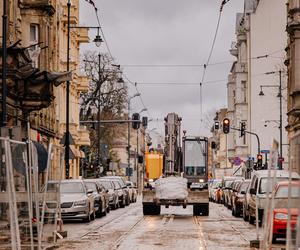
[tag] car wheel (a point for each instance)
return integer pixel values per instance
(251, 219)
(93, 215)
(245, 217)
(274, 238)
(108, 209)
(88, 218)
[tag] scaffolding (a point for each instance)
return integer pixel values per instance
(25, 222)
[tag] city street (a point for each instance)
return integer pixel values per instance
(127, 228)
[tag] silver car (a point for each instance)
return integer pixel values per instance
(132, 191)
(77, 202)
(113, 196)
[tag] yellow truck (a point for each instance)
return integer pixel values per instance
(154, 167)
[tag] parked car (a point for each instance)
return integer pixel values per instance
(123, 186)
(233, 191)
(238, 197)
(100, 197)
(132, 191)
(280, 212)
(120, 192)
(260, 184)
(213, 187)
(77, 201)
(226, 186)
(113, 196)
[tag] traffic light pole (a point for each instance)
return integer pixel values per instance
(251, 133)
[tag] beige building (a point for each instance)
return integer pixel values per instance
(293, 63)
(43, 26)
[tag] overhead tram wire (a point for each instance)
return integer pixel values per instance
(110, 54)
(209, 57)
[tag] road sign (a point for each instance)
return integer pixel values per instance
(265, 151)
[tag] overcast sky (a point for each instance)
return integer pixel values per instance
(168, 32)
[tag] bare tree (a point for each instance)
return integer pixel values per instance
(107, 94)
(208, 118)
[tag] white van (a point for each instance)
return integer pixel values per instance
(259, 186)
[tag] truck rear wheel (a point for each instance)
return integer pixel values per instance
(151, 209)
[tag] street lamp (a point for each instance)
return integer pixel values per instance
(261, 93)
(97, 40)
(128, 137)
(137, 155)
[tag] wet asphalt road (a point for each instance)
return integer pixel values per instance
(176, 228)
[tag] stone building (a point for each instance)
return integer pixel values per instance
(41, 28)
(293, 64)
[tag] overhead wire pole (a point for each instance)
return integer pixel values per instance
(4, 64)
(99, 109)
(67, 135)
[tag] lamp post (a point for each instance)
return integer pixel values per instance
(137, 155)
(261, 93)
(4, 65)
(128, 136)
(97, 41)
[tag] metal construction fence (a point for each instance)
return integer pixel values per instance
(25, 219)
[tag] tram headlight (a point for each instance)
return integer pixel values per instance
(201, 180)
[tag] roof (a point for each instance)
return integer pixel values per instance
(279, 173)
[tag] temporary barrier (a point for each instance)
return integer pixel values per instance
(24, 219)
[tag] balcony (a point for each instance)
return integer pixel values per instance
(83, 84)
(44, 5)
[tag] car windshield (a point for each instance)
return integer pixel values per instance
(117, 184)
(107, 184)
(71, 187)
(264, 188)
(283, 191)
(244, 186)
(91, 185)
(228, 183)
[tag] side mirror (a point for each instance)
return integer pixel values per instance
(106, 191)
(252, 191)
(128, 184)
(89, 191)
(243, 192)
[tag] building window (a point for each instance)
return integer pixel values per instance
(34, 40)
(244, 91)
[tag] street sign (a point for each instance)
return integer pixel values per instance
(265, 151)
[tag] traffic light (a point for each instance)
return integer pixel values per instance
(259, 161)
(213, 145)
(243, 129)
(145, 121)
(217, 125)
(136, 121)
(226, 126)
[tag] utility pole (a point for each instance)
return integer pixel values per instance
(128, 142)
(280, 119)
(136, 160)
(99, 109)
(4, 65)
(67, 135)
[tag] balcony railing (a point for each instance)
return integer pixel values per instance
(45, 5)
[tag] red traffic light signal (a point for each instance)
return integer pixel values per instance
(259, 159)
(226, 126)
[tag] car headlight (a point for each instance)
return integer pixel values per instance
(280, 216)
(150, 180)
(80, 203)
